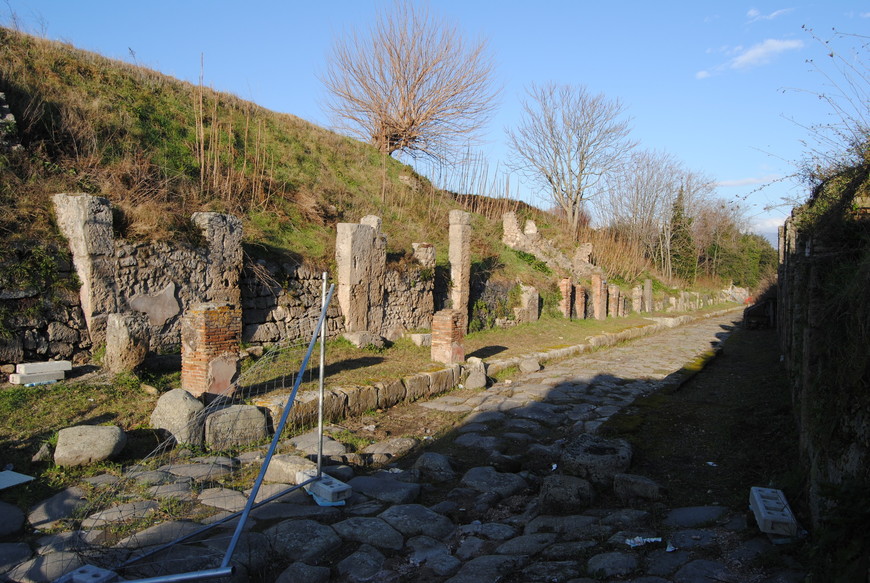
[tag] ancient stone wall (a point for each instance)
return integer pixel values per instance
(529, 240)
(822, 318)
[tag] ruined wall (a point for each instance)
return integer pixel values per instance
(529, 240)
(823, 318)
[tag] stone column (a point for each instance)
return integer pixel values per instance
(223, 235)
(580, 303)
(528, 308)
(210, 335)
(613, 296)
(637, 299)
(361, 256)
(86, 222)
(647, 296)
(448, 333)
(599, 297)
(566, 304)
(459, 255)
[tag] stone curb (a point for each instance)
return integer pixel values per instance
(429, 384)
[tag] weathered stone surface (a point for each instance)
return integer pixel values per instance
(595, 458)
(223, 234)
(611, 564)
(487, 479)
(223, 498)
(237, 425)
(159, 534)
(386, 489)
(11, 519)
(197, 471)
(572, 527)
(363, 339)
(441, 381)
(392, 447)
(703, 570)
(630, 488)
(62, 505)
(528, 544)
(302, 540)
(283, 468)
(362, 566)
(360, 399)
(158, 307)
(179, 413)
(86, 444)
(488, 569)
(300, 572)
(528, 365)
(370, 530)
(309, 443)
(12, 554)
(414, 519)
(119, 512)
(434, 467)
(528, 310)
(690, 516)
(416, 386)
(44, 569)
(562, 494)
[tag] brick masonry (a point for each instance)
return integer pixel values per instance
(210, 335)
(448, 335)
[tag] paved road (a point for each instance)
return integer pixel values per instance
(520, 504)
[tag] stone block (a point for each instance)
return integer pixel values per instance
(39, 377)
(86, 444)
(390, 393)
(416, 386)
(159, 307)
(421, 339)
(595, 458)
(49, 366)
(179, 413)
(128, 340)
(360, 399)
(441, 381)
(237, 425)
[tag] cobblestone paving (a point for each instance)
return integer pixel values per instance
(526, 511)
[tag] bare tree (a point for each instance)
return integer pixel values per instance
(568, 140)
(411, 83)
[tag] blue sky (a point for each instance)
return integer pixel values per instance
(721, 85)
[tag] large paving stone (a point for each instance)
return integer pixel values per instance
(370, 530)
(159, 534)
(12, 554)
(62, 505)
(11, 519)
(487, 479)
(692, 516)
(595, 458)
(611, 564)
(44, 569)
(302, 540)
(386, 489)
(234, 426)
(702, 571)
(300, 572)
(119, 513)
(527, 544)
(362, 566)
(561, 494)
(283, 468)
(415, 519)
(434, 467)
(488, 569)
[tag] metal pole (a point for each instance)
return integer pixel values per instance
(194, 576)
(277, 438)
(320, 384)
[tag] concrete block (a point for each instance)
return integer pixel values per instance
(38, 367)
(772, 511)
(42, 377)
(326, 488)
(89, 574)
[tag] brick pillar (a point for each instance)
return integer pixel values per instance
(647, 296)
(599, 297)
(448, 333)
(566, 304)
(459, 254)
(580, 303)
(210, 335)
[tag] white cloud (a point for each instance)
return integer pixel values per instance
(702, 74)
(755, 15)
(767, 225)
(763, 53)
(748, 181)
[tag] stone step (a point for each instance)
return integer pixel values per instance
(40, 367)
(40, 377)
